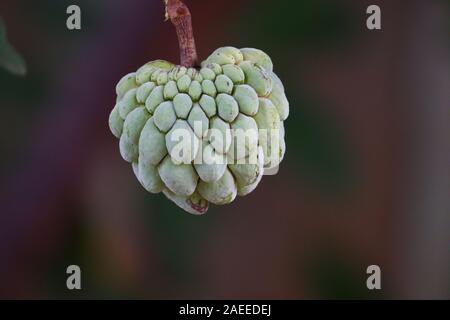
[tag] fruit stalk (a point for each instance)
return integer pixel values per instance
(180, 16)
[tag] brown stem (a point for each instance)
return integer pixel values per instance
(179, 15)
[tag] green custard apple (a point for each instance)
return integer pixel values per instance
(233, 90)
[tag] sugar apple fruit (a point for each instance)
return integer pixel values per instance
(234, 90)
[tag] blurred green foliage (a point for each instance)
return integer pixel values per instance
(46, 22)
(10, 58)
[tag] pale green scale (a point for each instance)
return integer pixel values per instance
(267, 118)
(245, 173)
(186, 150)
(181, 71)
(182, 104)
(180, 179)
(224, 84)
(115, 122)
(233, 72)
(144, 73)
(128, 103)
(258, 57)
(170, 90)
(208, 105)
(195, 90)
(226, 55)
(257, 78)
(125, 84)
(134, 123)
(154, 76)
(152, 144)
(155, 98)
(183, 83)
(209, 88)
(219, 192)
(246, 189)
(128, 151)
(162, 78)
(143, 91)
(192, 72)
(247, 99)
(208, 74)
(148, 176)
(216, 68)
(220, 135)
(198, 77)
(245, 136)
(198, 121)
(227, 107)
(278, 97)
(210, 165)
(164, 116)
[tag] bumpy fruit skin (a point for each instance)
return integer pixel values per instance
(233, 89)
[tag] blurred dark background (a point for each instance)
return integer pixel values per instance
(365, 179)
